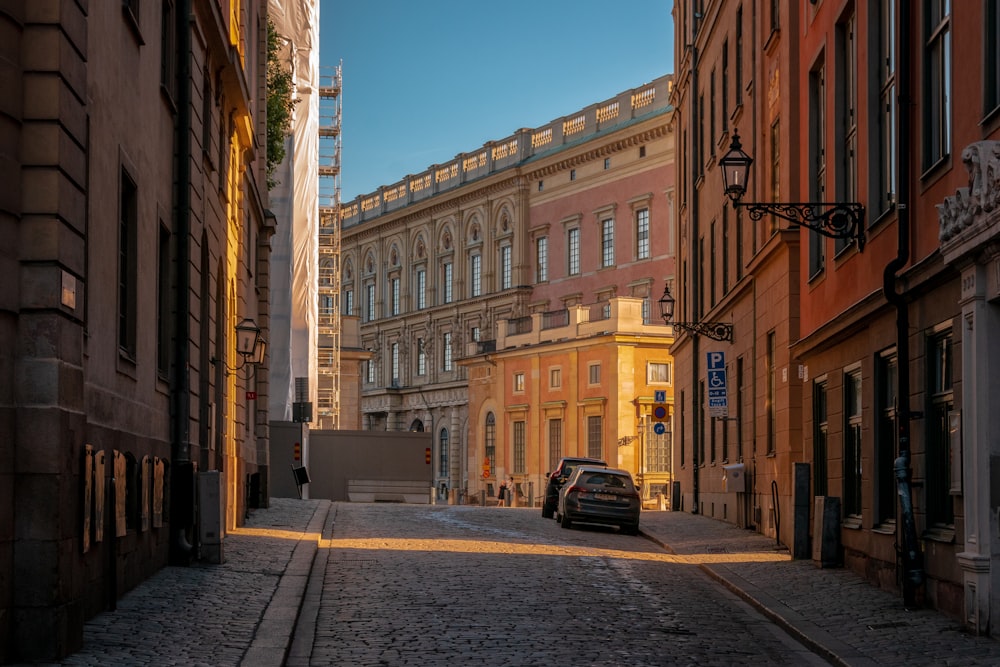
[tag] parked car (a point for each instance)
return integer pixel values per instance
(559, 476)
(600, 495)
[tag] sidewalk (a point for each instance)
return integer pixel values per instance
(833, 611)
(241, 612)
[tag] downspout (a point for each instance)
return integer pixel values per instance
(182, 470)
(696, 397)
(912, 558)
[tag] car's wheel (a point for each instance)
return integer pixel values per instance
(565, 522)
(546, 512)
(630, 528)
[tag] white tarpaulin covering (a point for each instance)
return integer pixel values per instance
(294, 201)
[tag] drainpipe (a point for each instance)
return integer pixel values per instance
(182, 468)
(695, 260)
(912, 558)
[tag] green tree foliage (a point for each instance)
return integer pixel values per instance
(280, 103)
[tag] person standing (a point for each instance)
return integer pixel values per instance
(502, 493)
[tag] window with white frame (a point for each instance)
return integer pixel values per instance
(642, 233)
(446, 277)
(882, 194)
(506, 277)
(542, 259)
(476, 267)
(446, 356)
(394, 295)
(421, 357)
(847, 101)
(555, 442)
(370, 302)
(348, 302)
(607, 242)
(938, 457)
(573, 251)
(852, 443)
(595, 437)
(520, 446)
(474, 333)
(395, 363)
(657, 372)
(936, 104)
(555, 378)
(443, 452)
(421, 289)
(518, 382)
(370, 372)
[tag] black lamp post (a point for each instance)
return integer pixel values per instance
(713, 330)
(834, 220)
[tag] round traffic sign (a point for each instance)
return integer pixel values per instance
(659, 428)
(659, 412)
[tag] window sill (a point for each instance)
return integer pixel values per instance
(942, 534)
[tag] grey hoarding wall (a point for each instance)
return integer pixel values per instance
(353, 465)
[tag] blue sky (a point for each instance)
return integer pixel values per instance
(425, 80)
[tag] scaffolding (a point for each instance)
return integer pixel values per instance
(329, 330)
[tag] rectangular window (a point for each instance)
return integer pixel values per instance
(572, 174)
(607, 243)
(852, 443)
(443, 453)
(991, 91)
(885, 444)
(446, 277)
(542, 259)
(775, 171)
(370, 305)
(394, 295)
(520, 453)
(555, 378)
(642, 233)
(421, 289)
(395, 364)
(518, 382)
(739, 55)
(447, 352)
(847, 102)
(421, 357)
(370, 373)
(490, 439)
(882, 194)
(607, 163)
(594, 374)
(595, 440)
(348, 302)
(573, 251)
(940, 506)
(555, 442)
(475, 334)
(680, 427)
(937, 82)
(657, 373)
(725, 85)
(772, 388)
(163, 293)
(505, 268)
(476, 265)
(128, 227)
(820, 431)
(168, 48)
(725, 250)
(817, 161)
(658, 450)
(739, 408)
(712, 136)
(712, 271)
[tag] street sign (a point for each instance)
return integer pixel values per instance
(718, 401)
(659, 413)
(659, 428)
(660, 396)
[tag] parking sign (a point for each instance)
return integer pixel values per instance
(718, 402)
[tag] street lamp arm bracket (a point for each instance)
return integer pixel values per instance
(833, 220)
(715, 330)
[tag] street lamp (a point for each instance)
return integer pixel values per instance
(713, 330)
(249, 345)
(834, 220)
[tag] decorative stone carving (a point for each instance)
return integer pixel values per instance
(955, 214)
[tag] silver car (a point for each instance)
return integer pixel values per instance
(600, 495)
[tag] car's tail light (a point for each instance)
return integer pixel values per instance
(576, 489)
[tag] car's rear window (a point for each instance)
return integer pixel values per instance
(605, 479)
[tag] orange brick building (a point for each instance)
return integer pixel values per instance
(866, 364)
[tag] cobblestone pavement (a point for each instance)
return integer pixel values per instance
(466, 585)
(834, 611)
(413, 585)
(214, 615)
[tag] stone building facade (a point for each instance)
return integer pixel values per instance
(445, 264)
(136, 239)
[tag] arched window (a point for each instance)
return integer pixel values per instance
(443, 453)
(491, 441)
(417, 426)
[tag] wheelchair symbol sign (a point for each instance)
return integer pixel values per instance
(717, 379)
